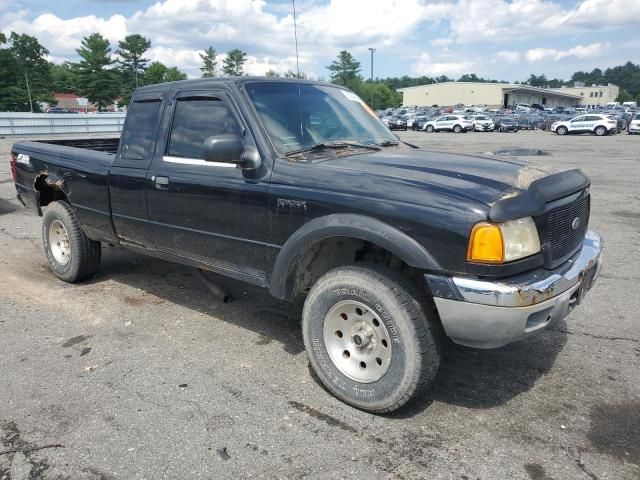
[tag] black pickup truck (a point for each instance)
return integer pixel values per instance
(296, 186)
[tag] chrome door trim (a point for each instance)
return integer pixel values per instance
(196, 161)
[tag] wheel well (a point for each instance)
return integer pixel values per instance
(49, 190)
(328, 253)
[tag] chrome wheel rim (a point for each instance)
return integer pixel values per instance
(357, 341)
(59, 242)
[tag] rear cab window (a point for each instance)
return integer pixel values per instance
(139, 132)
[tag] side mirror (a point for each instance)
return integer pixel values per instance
(223, 148)
(229, 148)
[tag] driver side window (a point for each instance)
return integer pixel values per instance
(196, 119)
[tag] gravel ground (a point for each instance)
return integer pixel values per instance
(139, 373)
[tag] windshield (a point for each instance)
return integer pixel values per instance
(301, 115)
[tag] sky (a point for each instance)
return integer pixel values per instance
(499, 39)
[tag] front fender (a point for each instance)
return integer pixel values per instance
(346, 225)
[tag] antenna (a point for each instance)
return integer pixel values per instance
(295, 35)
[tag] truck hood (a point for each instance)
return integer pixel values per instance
(480, 178)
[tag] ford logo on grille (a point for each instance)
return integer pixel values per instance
(576, 223)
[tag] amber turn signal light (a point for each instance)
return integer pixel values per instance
(486, 244)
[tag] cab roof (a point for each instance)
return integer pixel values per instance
(165, 88)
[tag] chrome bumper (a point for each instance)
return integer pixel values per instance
(489, 314)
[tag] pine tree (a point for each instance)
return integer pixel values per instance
(131, 51)
(95, 80)
(232, 64)
(345, 70)
(209, 62)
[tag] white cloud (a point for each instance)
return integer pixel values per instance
(62, 37)
(424, 65)
(508, 56)
(598, 12)
(442, 42)
(499, 20)
(179, 29)
(579, 51)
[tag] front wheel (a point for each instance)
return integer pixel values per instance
(368, 339)
(457, 129)
(430, 128)
(561, 130)
(71, 254)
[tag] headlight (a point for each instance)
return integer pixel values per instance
(503, 242)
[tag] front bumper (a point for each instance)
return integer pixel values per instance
(490, 314)
(634, 128)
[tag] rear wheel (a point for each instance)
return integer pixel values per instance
(457, 129)
(600, 131)
(561, 130)
(72, 256)
(368, 339)
(430, 128)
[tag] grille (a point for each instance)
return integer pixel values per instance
(556, 230)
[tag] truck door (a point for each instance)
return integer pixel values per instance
(208, 211)
(127, 177)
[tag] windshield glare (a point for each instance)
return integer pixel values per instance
(300, 115)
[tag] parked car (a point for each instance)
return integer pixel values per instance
(507, 124)
(419, 122)
(483, 123)
(60, 110)
(634, 125)
(599, 125)
(452, 123)
(391, 248)
(397, 123)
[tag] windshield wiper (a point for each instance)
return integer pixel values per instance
(392, 143)
(330, 145)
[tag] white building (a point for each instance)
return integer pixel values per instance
(593, 95)
(494, 95)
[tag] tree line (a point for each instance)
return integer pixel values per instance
(103, 76)
(346, 70)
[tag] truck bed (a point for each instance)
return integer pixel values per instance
(75, 169)
(106, 144)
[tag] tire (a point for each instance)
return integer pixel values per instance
(72, 256)
(381, 377)
(430, 128)
(457, 129)
(600, 131)
(561, 130)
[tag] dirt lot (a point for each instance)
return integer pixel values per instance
(139, 373)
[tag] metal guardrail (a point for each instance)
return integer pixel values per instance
(18, 123)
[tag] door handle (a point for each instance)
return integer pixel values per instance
(161, 183)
